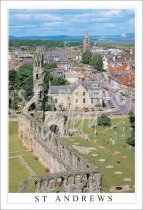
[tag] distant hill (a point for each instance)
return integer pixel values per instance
(107, 38)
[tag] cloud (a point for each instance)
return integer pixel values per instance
(111, 13)
(37, 17)
(53, 23)
(70, 21)
(131, 21)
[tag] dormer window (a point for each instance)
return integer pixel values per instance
(95, 85)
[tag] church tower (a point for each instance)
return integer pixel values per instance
(38, 76)
(86, 42)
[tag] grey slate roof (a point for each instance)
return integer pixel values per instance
(57, 73)
(68, 89)
(63, 89)
(90, 85)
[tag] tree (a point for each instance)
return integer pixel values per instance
(48, 106)
(86, 57)
(103, 120)
(12, 79)
(131, 139)
(58, 81)
(97, 62)
(25, 80)
(20, 80)
(132, 118)
(47, 75)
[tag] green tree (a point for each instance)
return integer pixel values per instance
(25, 80)
(47, 75)
(103, 120)
(12, 79)
(97, 62)
(86, 57)
(132, 118)
(48, 106)
(131, 139)
(20, 80)
(58, 81)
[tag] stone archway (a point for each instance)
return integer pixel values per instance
(32, 107)
(54, 129)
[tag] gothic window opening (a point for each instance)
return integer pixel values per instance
(40, 94)
(38, 63)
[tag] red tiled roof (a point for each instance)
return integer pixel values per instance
(119, 69)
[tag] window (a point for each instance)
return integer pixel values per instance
(95, 85)
(91, 100)
(36, 76)
(76, 107)
(96, 93)
(83, 100)
(76, 100)
(76, 93)
(55, 101)
(83, 93)
(40, 94)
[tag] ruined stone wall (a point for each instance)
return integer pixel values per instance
(24, 131)
(80, 181)
(54, 118)
(55, 155)
(77, 182)
(50, 149)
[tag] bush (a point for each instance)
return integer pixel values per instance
(131, 140)
(103, 120)
(47, 169)
(36, 157)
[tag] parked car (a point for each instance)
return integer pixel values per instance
(92, 109)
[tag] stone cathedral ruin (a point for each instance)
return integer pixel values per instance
(75, 173)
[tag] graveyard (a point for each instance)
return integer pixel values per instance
(106, 147)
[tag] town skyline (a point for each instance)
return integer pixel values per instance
(71, 21)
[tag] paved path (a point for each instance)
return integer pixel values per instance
(17, 151)
(24, 162)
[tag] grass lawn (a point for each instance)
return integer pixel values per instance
(17, 171)
(14, 143)
(106, 150)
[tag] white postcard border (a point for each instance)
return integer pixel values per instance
(123, 200)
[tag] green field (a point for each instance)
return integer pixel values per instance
(117, 155)
(116, 45)
(17, 170)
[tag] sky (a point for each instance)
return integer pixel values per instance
(71, 22)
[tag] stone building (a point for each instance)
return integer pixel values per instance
(38, 76)
(86, 42)
(77, 97)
